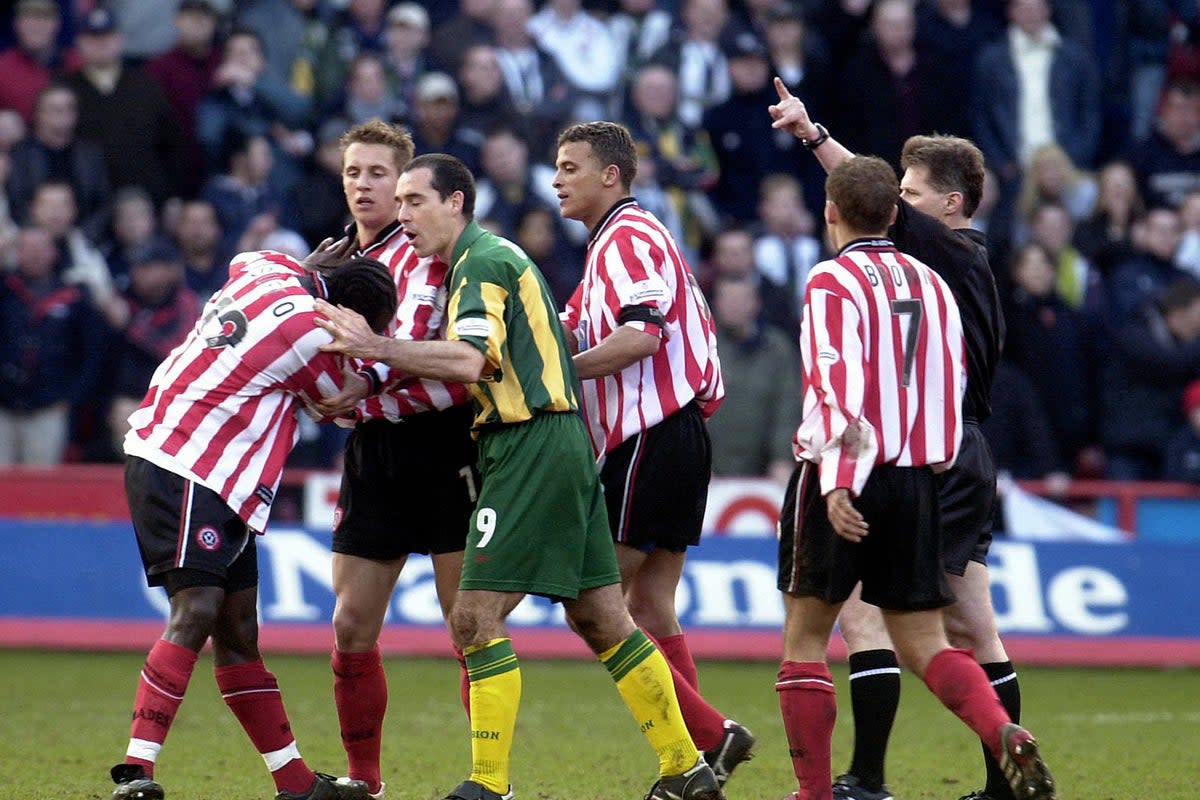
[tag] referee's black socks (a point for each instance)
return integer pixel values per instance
(874, 697)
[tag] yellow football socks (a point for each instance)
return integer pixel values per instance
(495, 696)
(644, 680)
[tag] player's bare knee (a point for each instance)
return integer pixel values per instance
(194, 614)
(353, 630)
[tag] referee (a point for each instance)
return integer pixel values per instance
(940, 190)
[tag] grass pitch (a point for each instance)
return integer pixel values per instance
(1107, 734)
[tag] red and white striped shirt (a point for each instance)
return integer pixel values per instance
(633, 262)
(222, 408)
(884, 366)
(420, 315)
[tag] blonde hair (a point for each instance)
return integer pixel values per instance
(1031, 197)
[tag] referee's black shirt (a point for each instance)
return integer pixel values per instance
(960, 257)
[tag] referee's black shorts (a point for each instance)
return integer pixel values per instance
(656, 483)
(408, 487)
(967, 496)
(900, 560)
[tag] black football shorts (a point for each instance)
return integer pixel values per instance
(900, 560)
(186, 533)
(967, 497)
(408, 487)
(656, 483)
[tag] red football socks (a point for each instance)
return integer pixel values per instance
(161, 687)
(809, 707)
(361, 695)
(464, 681)
(252, 694)
(964, 688)
(675, 650)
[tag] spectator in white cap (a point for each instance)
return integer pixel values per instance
(407, 58)
(434, 122)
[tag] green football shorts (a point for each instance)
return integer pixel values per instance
(540, 525)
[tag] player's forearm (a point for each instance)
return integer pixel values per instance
(447, 361)
(624, 347)
(830, 153)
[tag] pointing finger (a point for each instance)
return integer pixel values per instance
(781, 89)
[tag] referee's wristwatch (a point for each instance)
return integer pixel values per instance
(822, 135)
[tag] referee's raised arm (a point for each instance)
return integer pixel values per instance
(790, 114)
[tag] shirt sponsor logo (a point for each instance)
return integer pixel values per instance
(647, 292)
(473, 326)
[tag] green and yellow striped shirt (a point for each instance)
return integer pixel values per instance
(499, 303)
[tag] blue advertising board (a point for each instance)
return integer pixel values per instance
(80, 584)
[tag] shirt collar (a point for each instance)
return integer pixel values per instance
(1022, 42)
(468, 237)
(381, 238)
(617, 208)
(870, 243)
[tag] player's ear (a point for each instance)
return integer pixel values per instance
(831, 213)
(954, 201)
(892, 218)
(612, 175)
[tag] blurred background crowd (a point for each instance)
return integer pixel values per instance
(142, 144)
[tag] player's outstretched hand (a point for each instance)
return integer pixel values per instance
(845, 518)
(352, 336)
(789, 113)
(354, 388)
(329, 253)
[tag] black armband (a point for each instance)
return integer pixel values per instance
(648, 314)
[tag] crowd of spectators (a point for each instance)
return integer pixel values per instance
(143, 144)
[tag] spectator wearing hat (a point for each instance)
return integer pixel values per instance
(53, 151)
(745, 153)
(434, 122)
(407, 58)
(126, 112)
(156, 312)
(36, 57)
(1183, 449)
(585, 51)
(185, 73)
